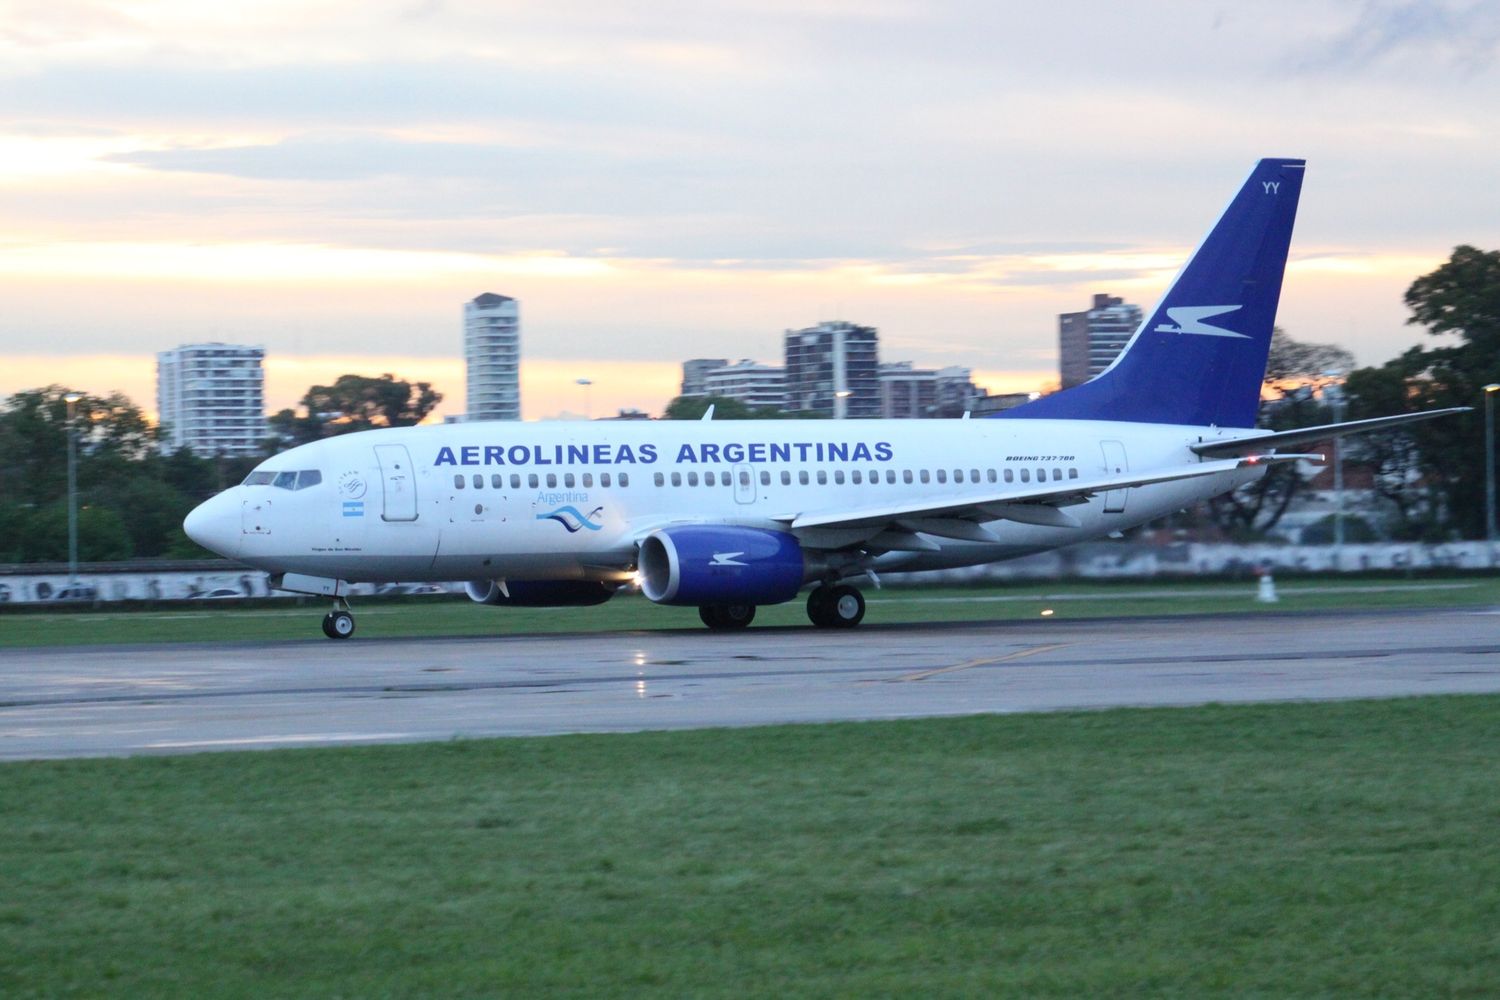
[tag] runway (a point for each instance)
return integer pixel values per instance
(104, 701)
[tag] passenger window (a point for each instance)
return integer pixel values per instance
(458, 480)
(708, 478)
(973, 475)
(551, 480)
(1010, 475)
(624, 479)
(745, 479)
(958, 475)
(568, 482)
(285, 480)
(692, 479)
(532, 481)
(1025, 475)
(659, 479)
(786, 478)
(838, 476)
(802, 477)
(478, 481)
(515, 480)
(603, 480)
(1041, 475)
(925, 476)
(989, 474)
(1057, 475)
(856, 477)
(497, 481)
(588, 480)
(942, 475)
(308, 477)
(1072, 473)
(906, 475)
(676, 479)
(822, 477)
(765, 478)
(890, 477)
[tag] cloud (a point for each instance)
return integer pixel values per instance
(1415, 33)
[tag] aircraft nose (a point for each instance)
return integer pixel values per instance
(214, 525)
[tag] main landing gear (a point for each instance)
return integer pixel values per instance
(725, 617)
(838, 606)
(339, 623)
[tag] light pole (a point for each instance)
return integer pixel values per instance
(1489, 463)
(1338, 469)
(588, 402)
(72, 399)
(841, 403)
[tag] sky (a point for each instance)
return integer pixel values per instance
(689, 178)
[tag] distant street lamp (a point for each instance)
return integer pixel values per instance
(588, 401)
(72, 399)
(1489, 462)
(841, 403)
(1338, 469)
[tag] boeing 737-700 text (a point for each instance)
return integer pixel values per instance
(726, 515)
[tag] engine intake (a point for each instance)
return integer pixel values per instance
(540, 593)
(698, 564)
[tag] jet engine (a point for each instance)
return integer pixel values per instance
(701, 564)
(540, 593)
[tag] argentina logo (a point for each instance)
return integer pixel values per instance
(570, 518)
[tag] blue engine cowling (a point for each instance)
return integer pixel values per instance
(540, 593)
(699, 564)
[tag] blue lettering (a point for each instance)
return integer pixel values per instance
(578, 454)
(469, 454)
(838, 452)
(685, 454)
(861, 452)
(710, 452)
(734, 453)
(780, 453)
(648, 453)
(519, 454)
(445, 457)
(539, 459)
(625, 455)
(601, 454)
(757, 452)
(494, 455)
(801, 451)
(882, 451)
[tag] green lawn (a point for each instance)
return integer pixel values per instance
(1344, 849)
(418, 616)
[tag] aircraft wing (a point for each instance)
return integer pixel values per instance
(1306, 435)
(895, 526)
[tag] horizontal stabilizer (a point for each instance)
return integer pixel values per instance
(1307, 435)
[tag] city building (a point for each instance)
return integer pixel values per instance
(1089, 341)
(750, 382)
(833, 369)
(210, 399)
(695, 371)
(492, 357)
(908, 392)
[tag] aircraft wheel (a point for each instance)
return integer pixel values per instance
(846, 606)
(724, 617)
(818, 607)
(338, 624)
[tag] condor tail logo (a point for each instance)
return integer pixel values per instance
(1189, 319)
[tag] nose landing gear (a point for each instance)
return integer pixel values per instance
(339, 623)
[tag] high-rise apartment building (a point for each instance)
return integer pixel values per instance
(1089, 341)
(908, 392)
(750, 382)
(210, 399)
(695, 371)
(492, 357)
(833, 369)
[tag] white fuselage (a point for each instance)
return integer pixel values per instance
(502, 500)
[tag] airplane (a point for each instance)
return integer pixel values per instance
(730, 515)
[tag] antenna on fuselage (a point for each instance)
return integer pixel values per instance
(708, 414)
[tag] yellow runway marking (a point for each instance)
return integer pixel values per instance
(969, 665)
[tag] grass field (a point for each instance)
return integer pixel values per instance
(418, 616)
(1342, 849)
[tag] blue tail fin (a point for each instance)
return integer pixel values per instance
(1200, 356)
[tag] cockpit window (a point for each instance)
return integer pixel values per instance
(296, 480)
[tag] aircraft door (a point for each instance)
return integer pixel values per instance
(1115, 464)
(398, 483)
(744, 484)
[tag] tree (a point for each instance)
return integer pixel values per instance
(358, 403)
